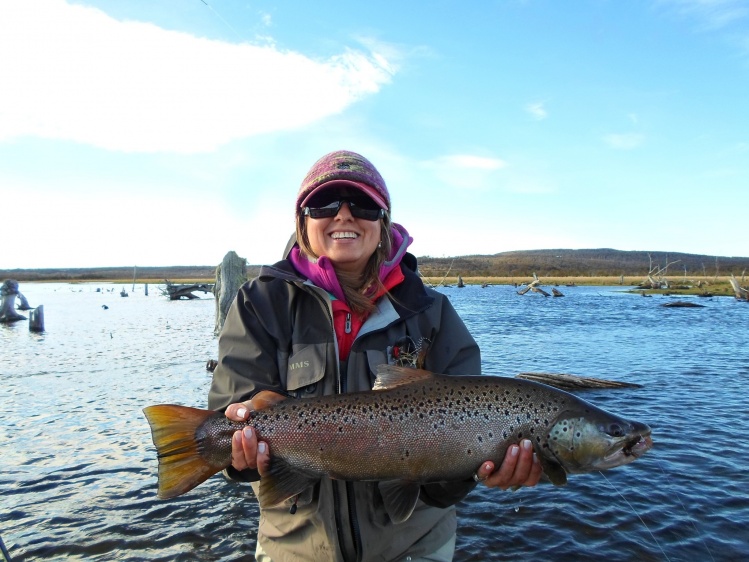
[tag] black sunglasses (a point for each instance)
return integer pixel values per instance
(326, 206)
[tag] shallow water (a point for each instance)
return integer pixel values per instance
(78, 471)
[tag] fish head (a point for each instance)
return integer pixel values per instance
(596, 440)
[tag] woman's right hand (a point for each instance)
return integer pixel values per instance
(247, 452)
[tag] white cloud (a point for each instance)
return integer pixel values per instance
(464, 171)
(266, 19)
(624, 141)
(537, 110)
(72, 72)
(713, 14)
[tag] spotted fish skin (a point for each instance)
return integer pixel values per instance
(439, 428)
(414, 427)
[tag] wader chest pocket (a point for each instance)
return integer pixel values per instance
(305, 369)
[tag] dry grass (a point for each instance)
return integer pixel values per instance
(719, 286)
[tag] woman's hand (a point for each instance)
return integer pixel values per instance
(519, 468)
(246, 451)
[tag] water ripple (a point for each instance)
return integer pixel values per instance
(78, 476)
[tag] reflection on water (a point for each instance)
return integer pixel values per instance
(78, 470)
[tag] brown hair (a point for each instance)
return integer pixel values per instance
(358, 289)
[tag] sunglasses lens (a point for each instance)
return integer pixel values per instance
(327, 204)
(324, 211)
(364, 213)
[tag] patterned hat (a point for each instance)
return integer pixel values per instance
(344, 168)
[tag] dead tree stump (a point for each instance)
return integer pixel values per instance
(36, 319)
(740, 293)
(230, 276)
(9, 292)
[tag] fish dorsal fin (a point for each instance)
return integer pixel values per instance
(282, 483)
(399, 498)
(552, 469)
(265, 399)
(391, 376)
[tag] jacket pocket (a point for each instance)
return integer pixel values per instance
(305, 369)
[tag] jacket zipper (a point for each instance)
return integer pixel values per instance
(354, 523)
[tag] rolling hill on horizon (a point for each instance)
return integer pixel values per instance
(599, 262)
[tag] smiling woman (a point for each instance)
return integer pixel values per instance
(343, 214)
(346, 300)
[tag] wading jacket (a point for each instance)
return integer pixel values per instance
(278, 335)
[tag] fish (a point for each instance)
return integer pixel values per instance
(414, 427)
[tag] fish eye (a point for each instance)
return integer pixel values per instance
(615, 430)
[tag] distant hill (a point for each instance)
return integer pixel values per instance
(601, 262)
(108, 273)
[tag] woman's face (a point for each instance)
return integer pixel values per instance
(348, 242)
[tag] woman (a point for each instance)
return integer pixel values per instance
(345, 299)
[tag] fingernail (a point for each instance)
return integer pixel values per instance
(261, 447)
(527, 444)
(488, 467)
(514, 450)
(248, 432)
(535, 458)
(242, 412)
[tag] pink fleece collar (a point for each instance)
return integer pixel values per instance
(322, 274)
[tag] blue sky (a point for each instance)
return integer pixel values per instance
(169, 132)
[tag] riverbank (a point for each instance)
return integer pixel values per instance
(698, 286)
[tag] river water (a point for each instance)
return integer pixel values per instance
(78, 470)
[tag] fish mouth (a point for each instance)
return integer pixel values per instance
(637, 446)
(627, 451)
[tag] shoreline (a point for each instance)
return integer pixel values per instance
(696, 286)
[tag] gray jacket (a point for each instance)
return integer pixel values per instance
(279, 336)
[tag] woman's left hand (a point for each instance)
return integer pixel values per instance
(519, 468)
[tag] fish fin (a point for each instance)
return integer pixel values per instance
(283, 482)
(392, 376)
(553, 471)
(181, 467)
(399, 498)
(265, 399)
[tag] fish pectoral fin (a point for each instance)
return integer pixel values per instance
(399, 498)
(283, 482)
(392, 376)
(553, 471)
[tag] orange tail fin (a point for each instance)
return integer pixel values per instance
(181, 467)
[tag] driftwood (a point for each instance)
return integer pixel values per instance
(460, 282)
(9, 291)
(230, 276)
(574, 382)
(556, 292)
(529, 287)
(740, 293)
(656, 276)
(176, 292)
(534, 286)
(683, 304)
(540, 290)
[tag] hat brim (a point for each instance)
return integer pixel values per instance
(368, 190)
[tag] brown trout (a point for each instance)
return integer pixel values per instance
(415, 427)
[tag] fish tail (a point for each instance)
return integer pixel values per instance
(181, 466)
